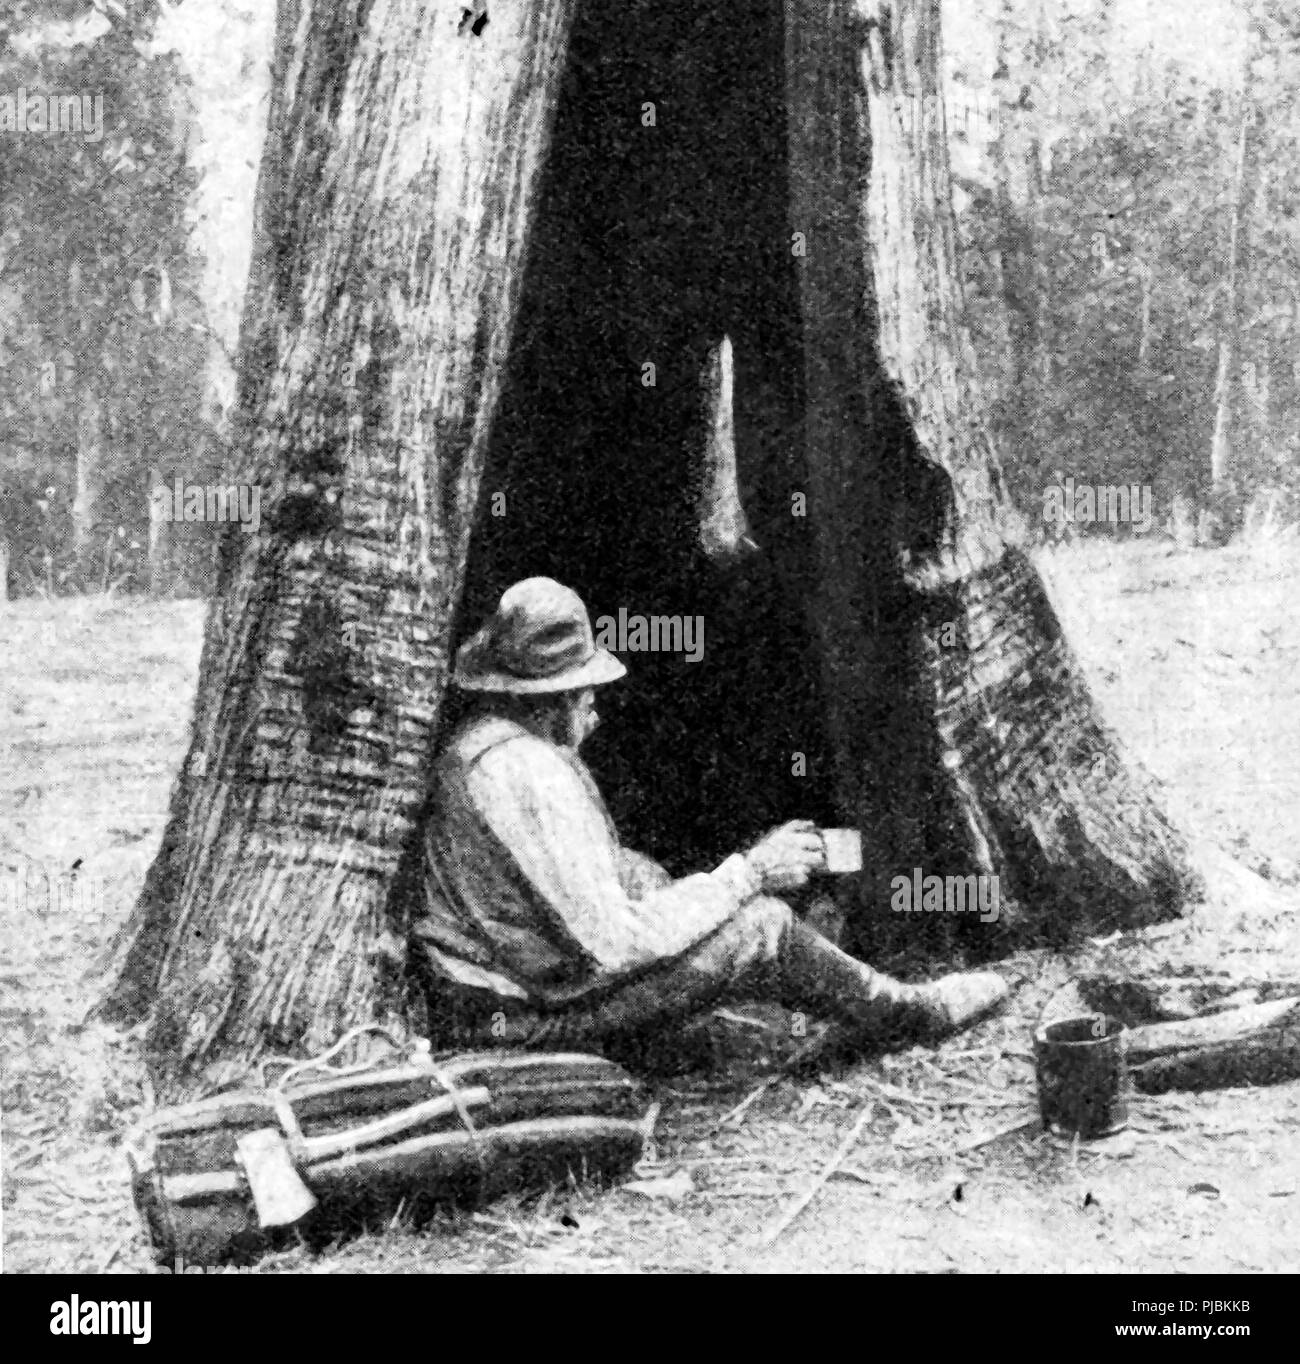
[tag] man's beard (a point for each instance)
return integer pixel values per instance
(579, 726)
(564, 724)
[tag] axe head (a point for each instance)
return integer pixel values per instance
(279, 1195)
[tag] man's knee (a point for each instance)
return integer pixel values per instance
(765, 921)
(751, 938)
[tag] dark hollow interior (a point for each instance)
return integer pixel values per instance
(649, 244)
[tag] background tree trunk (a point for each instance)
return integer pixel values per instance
(89, 481)
(1227, 379)
(1020, 184)
(393, 208)
(967, 738)
(159, 554)
(1146, 279)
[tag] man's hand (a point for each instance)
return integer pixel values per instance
(784, 859)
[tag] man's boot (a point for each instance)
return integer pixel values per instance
(876, 1010)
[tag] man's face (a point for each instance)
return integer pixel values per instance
(582, 718)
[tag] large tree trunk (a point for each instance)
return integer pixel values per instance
(967, 738)
(393, 208)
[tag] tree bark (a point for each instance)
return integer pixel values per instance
(393, 207)
(967, 738)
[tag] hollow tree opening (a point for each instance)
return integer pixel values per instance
(661, 227)
(890, 659)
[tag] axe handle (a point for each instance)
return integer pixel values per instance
(353, 1139)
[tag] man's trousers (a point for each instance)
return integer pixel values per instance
(761, 951)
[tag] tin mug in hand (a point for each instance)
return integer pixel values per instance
(843, 850)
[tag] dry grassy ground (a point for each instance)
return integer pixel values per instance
(1195, 657)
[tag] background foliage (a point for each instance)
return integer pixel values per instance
(1097, 193)
(1097, 154)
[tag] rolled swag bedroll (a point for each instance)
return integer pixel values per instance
(494, 265)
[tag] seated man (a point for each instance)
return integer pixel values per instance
(539, 930)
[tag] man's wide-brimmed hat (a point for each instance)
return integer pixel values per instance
(538, 640)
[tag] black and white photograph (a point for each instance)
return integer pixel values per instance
(649, 637)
